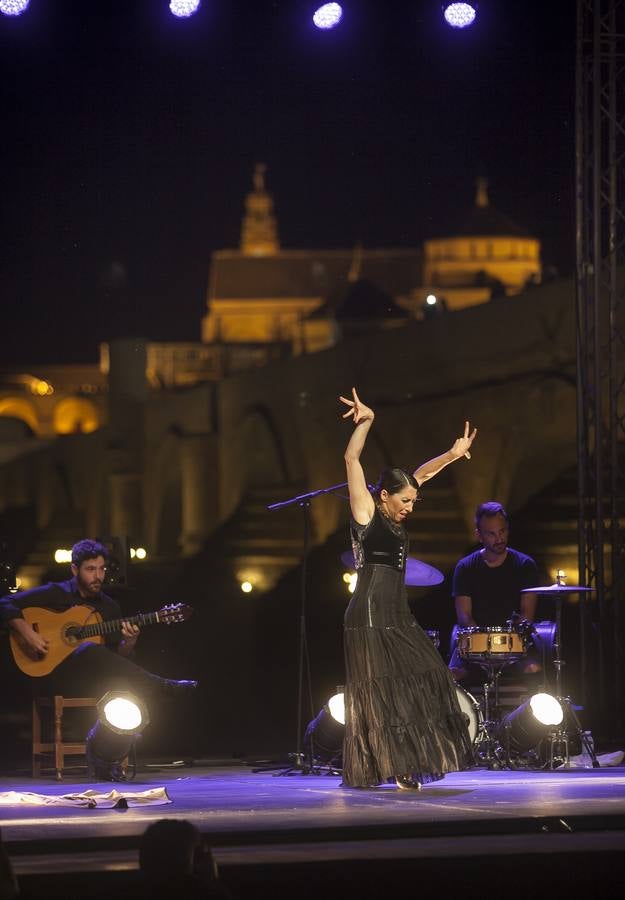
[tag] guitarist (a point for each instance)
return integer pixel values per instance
(91, 668)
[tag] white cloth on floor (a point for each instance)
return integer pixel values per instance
(583, 761)
(90, 798)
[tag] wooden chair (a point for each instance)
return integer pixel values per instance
(59, 748)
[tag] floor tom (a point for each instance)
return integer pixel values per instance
(470, 709)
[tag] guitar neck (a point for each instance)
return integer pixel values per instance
(115, 624)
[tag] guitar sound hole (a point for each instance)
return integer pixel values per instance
(72, 634)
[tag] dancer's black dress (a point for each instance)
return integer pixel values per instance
(402, 715)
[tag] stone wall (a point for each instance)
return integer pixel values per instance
(508, 367)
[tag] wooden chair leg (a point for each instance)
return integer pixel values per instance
(58, 747)
(59, 758)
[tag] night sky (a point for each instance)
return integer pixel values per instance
(129, 139)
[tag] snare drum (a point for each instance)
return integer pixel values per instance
(491, 643)
(470, 709)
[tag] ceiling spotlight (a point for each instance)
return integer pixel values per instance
(13, 7)
(430, 300)
(460, 15)
(328, 16)
(182, 9)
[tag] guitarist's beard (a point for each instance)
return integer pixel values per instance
(89, 589)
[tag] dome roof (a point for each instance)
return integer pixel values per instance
(485, 221)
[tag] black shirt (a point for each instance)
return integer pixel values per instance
(60, 596)
(495, 592)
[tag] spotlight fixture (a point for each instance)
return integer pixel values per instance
(121, 717)
(139, 553)
(62, 555)
(431, 300)
(183, 9)
(460, 15)
(350, 579)
(13, 7)
(529, 723)
(327, 16)
(323, 740)
(336, 705)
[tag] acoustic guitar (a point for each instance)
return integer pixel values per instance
(66, 630)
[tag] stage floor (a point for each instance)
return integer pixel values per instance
(260, 817)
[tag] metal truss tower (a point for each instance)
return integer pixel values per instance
(600, 247)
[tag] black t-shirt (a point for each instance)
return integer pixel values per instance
(60, 596)
(495, 592)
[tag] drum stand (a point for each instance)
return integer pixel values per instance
(490, 752)
(560, 738)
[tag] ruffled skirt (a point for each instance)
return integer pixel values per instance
(402, 713)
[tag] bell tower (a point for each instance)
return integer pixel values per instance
(259, 233)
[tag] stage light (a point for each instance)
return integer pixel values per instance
(460, 15)
(336, 705)
(524, 727)
(182, 9)
(13, 7)
(328, 16)
(350, 579)
(247, 587)
(323, 741)
(121, 717)
(430, 300)
(62, 556)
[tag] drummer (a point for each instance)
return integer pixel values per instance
(487, 584)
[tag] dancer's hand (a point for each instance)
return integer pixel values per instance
(358, 410)
(462, 445)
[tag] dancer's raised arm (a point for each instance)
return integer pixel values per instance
(360, 499)
(460, 448)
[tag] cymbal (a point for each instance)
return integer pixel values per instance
(418, 573)
(557, 589)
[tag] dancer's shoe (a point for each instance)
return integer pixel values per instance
(407, 783)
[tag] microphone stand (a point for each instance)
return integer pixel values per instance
(301, 765)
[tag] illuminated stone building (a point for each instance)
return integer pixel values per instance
(297, 301)
(166, 436)
(487, 257)
(56, 400)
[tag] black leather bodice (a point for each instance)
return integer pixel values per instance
(380, 542)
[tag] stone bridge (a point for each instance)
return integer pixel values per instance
(171, 466)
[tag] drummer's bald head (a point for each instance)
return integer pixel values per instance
(490, 508)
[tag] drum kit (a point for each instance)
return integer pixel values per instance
(493, 648)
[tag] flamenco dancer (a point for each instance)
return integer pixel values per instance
(403, 721)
